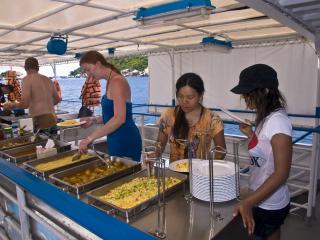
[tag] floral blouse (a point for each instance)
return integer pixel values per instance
(200, 134)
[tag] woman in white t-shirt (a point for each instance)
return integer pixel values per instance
(270, 149)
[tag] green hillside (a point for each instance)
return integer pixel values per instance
(139, 63)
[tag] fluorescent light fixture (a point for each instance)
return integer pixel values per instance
(111, 51)
(174, 13)
(77, 56)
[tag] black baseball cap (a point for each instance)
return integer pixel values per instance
(254, 77)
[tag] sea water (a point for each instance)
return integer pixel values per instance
(71, 90)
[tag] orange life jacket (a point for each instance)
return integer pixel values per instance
(11, 76)
(91, 92)
(57, 87)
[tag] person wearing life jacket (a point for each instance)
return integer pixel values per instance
(14, 95)
(4, 89)
(91, 92)
(58, 89)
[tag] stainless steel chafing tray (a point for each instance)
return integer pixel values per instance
(94, 195)
(21, 154)
(17, 142)
(56, 178)
(27, 152)
(31, 165)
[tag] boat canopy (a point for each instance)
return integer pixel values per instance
(115, 27)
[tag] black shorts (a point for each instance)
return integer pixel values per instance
(268, 221)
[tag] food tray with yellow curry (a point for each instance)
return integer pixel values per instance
(130, 195)
(46, 166)
(85, 177)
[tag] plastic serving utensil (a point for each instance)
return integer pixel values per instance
(233, 116)
(76, 156)
(34, 137)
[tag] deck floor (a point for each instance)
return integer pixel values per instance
(297, 227)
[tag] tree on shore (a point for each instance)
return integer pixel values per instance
(139, 63)
(77, 72)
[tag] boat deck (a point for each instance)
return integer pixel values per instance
(297, 226)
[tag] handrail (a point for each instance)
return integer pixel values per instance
(304, 129)
(301, 137)
(309, 130)
(137, 105)
(218, 109)
(296, 128)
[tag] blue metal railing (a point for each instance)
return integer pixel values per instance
(308, 130)
(138, 105)
(231, 110)
(142, 106)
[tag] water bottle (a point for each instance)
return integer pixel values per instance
(15, 129)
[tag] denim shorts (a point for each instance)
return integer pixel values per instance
(268, 221)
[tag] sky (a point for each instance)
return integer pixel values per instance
(62, 69)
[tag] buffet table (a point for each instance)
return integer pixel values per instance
(37, 203)
(183, 220)
(188, 220)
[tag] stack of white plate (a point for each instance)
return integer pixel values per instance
(224, 181)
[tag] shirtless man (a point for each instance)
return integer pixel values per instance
(38, 95)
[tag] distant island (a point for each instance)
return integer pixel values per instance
(129, 66)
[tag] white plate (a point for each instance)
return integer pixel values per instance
(233, 116)
(72, 123)
(217, 197)
(175, 166)
(224, 182)
(221, 168)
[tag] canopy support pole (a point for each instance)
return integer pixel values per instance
(315, 166)
(54, 69)
(171, 55)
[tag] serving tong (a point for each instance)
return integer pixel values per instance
(107, 160)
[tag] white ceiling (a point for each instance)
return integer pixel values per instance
(26, 26)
